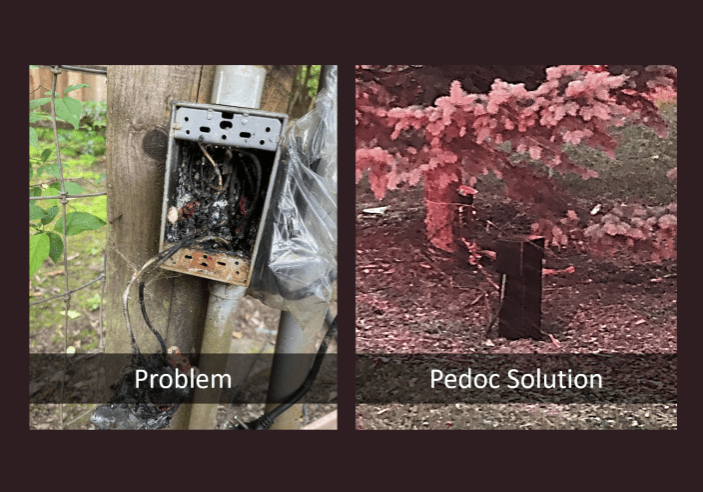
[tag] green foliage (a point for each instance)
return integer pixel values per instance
(47, 241)
(71, 314)
(77, 222)
(93, 303)
(94, 115)
(313, 79)
(93, 123)
(38, 250)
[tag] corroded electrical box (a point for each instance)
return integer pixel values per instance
(220, 168)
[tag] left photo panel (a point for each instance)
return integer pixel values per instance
(183, 247)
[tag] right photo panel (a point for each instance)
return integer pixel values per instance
(516, 247)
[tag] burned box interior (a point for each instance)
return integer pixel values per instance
(220, 166)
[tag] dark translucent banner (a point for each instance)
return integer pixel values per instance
(455, 378)
(217, 378)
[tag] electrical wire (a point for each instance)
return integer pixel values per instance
(247, 174)
(257, 167)
(148, 267)
(267, 420)
(219, 186)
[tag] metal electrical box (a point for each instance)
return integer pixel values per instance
(220, 168)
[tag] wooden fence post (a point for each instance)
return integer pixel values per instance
(138, 112)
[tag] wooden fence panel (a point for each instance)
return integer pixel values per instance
(42, 77)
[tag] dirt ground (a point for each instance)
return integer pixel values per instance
(413, 298)
(255, 327)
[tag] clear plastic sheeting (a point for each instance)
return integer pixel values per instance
(296, 266)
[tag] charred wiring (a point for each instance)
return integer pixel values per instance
(218, 189)
(146, 407)
(217, 205)
(141, 408)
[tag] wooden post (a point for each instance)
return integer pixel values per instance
(138, 114)
(520, 261)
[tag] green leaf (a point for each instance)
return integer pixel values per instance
(33, 138)
(49, 191)
(93, 303)
(71, 187)
(38, 251)
(72, 88)
(34, 191)
(50, 215)
(38, 116)
(69, 110)
(32, 67)
(72, 315)
(39, 102)
(45, 154)
(77, 222)
(74, 105)
(55, 246)
(52, 169)
(36, 212)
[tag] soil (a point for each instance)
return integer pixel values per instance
(414, 298)
(255, 329)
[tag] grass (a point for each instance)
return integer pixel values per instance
(82, 153)
(636, 174)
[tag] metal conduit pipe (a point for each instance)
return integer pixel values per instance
(240, 86)
(290, 367)
(221, 310)
(288, 373)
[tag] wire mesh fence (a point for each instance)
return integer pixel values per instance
(64, 197)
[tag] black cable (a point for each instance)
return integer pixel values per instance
(146, 319)
(257, 185)
(246, 376)
(242, 210)
(74, 68)
(196, 192)
(157, 261)
(134, 407)
(266, 420)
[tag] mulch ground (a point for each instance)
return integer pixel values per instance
(413, 298)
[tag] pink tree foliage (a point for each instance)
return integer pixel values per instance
(404, 134)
